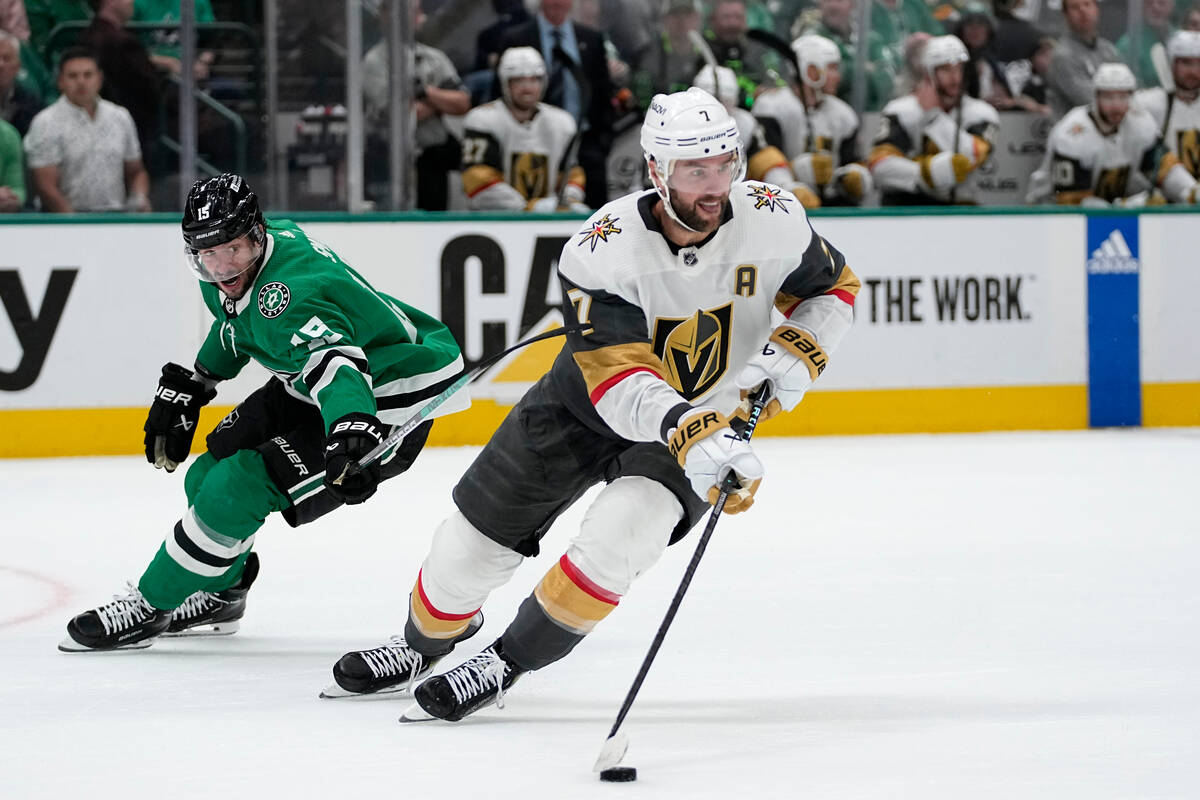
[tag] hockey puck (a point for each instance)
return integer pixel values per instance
(618, 774)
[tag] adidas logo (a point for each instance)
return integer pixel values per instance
(1112, 256)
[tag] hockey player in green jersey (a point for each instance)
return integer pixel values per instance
(348, 362)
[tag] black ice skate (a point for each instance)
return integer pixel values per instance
(472, 685)
(128, 622)
(390, 668)
(214, 613)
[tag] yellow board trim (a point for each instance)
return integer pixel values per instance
(118, 431)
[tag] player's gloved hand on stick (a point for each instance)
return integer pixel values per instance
(789, 363)
(707, 449)
(944, 170)
(173, 416)
(350, 438)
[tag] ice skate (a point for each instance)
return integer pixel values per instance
(391, 668)
(127, 623)
(476, 683)
(214, 613)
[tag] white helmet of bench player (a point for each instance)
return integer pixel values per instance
(520, 62)
(688, 125)
(816, 51)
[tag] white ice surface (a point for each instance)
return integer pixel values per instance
(984, 616)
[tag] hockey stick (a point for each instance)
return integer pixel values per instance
(409, 425)
(701, 44)
(618, 742)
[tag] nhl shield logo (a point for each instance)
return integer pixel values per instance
(273, 299)
(690, 257)
(694, 350)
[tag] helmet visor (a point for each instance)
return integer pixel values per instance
(224, 262)
(713, 175)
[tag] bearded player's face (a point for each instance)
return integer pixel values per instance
(699, 190)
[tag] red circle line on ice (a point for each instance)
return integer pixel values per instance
(60, 595)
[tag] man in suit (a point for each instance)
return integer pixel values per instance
(578, 82)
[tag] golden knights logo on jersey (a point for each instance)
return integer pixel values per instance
(531, 174)
(770, 197)
(695, 349)
(1188, 143)
(1111, 183)
(599, 231)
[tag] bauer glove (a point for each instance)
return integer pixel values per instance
(350, 438)
(945, 170)
(789, 363)
(173, 416)
(707, 449)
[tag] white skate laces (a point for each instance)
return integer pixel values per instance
(124, 611)
(472, 678)
(196, 604)
(394, 658)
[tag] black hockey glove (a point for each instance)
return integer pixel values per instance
(173, 416)
(350, 438)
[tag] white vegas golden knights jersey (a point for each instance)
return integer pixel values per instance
(1081, 161)
(524, 155)
(673, 327)
(908, 131)
(831, 127)
(1178, 123)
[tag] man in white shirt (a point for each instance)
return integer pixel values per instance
(83, 151)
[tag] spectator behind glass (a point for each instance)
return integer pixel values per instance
(754, 65)
(13, 19)
(510, 13)
(130, 79)
(83, 150)
(163, 45)
(1191, 20)
(438, 91)
(983, 74)
(668, 64)
(1157, 30)
(1079, 53)
(18, 105)
(44, 15)
(1014, 38)
(12, 170)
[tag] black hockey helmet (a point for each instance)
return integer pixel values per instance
(219, 210)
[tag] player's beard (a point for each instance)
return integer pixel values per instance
(692, 217)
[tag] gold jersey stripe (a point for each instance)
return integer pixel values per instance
(478, 177)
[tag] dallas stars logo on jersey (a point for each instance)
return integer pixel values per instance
(599, 231)
(770, 197)
(695, 349)
(273, 299)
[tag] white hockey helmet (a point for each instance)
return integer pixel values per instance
(723, 86)
(1183, 44)
(1113, 77)
(942, 50)
(687, 125)
(817, 51)
(520, 62)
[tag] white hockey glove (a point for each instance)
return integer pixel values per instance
(497, 197)
(549, 205)
(853, 182)
(945, 170)
(814, 169)
(789, 363)
(707, 449)
(1091, 201)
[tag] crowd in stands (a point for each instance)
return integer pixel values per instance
(528, 104)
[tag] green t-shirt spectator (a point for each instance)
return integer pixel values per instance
(44, 15)
(1147, 75)
(895, 25)
(12, 169)
(166, 43)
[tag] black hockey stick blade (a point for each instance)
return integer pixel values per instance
(411, 424)
(614, 747)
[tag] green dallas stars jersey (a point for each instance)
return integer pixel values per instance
(330, 336)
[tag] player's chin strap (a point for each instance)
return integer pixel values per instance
(618, 742)
(408, 426)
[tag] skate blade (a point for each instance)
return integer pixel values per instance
(415, 713)
(213, 629)
(335, 692)
(69, 645)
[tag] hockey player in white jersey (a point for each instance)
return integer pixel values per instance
(1176, 114)
(764, 160)
(816, 129)
(932, 139)
(684, 287)
(516, 149)
(1101, 154)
